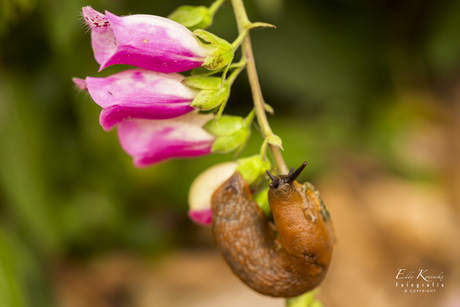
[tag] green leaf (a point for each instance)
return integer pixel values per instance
(275, 141)
(260, 25)
(268, 108)
(253, 168)
(224, 126)
(304, 300)
(210, 99)
(192, 17)
(226, 144)
(202, 82)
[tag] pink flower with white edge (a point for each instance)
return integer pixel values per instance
(138, 93)
(145, 41)
(202, 188)
(153, 141)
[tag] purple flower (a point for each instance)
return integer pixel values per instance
(154, 141)
(145, 41)
(138, 93)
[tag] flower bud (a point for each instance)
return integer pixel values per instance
(203, 187)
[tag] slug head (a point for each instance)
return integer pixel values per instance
(285, 179)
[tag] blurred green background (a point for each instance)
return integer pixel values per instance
(347, 79)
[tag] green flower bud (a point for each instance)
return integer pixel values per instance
(225, 125)
(226, 144)
(192, 17)
(253, 168)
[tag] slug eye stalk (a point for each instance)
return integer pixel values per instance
(289, 178)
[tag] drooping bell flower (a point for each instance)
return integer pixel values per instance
(153, 141)
(145, 41)
(138, 93)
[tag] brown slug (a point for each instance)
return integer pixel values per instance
(285, 266)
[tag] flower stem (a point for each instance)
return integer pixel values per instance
(241, 65)
(215, 6)
(239, 39)
(243, 22)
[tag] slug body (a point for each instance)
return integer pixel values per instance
(285, 266)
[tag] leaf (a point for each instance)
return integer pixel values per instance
(192, 17)
(224, 126)
(202, 82)
(275, 141)
(226, 144)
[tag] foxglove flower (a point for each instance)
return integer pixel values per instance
(145, 41)
(138, 93)
(154, 141)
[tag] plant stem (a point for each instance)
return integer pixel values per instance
(243, 22)
(215, 6)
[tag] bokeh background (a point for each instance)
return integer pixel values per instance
(368, 92)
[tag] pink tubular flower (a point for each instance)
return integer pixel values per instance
(138, 93)
(154, 141)
(145, 41)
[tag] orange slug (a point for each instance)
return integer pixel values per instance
(286, 264)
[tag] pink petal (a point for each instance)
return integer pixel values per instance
(102, 39)
(201, 217)
(140, 93)
(154, 141)
(145, 41)
(80, 83)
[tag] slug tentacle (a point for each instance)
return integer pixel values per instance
(249, 244)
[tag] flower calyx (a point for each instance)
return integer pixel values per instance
(212, 92)
(221, 56)
(232, 133)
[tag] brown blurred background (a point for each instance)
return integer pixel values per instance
(368, 92)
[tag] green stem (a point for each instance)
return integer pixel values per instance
(215, 7)
(236, 72)
(239, 39)
(263, 150)
(243, 22)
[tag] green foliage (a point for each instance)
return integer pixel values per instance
(253, 168)
(304, 300)
(192, 17)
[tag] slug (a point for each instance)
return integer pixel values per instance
(286, 265)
